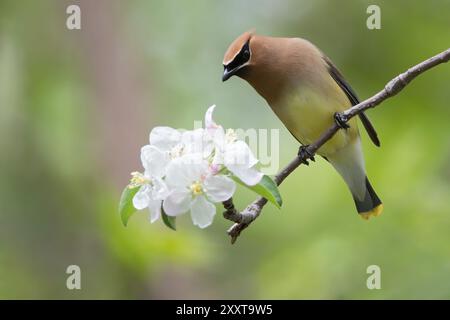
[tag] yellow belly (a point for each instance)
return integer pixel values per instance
(307, 115)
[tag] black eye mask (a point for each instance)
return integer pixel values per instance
(242, 57)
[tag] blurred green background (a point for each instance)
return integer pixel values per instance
(76, 106)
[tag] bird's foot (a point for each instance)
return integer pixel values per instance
(341, 120)
(304, 154)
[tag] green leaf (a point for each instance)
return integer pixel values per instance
(266, 188)
(126, 208)
(168, 220)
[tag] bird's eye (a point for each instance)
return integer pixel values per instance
(246, 54)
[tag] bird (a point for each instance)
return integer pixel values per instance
(307, 92)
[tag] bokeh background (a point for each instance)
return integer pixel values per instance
(76, 106)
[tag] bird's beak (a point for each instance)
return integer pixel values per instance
(227, 73)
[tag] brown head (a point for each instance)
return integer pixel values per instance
(274, 65)
(257, 59)
(237, 56)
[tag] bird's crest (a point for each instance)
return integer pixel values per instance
(236, 46)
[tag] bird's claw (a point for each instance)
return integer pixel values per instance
(304, 155)
(341, 120)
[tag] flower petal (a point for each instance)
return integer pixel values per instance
(218, 136)
(197, 141)
(160, 190)
(219, 188)
(218, 158)
(250, 176)
(142, 198)
(154, 161)
(177, 202)
(164, 138)
(154, 207)
(202, 212)
(210, 125)
(183, 171)
(239, 153)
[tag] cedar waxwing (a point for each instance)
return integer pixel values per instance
(306, 90)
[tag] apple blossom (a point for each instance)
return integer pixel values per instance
(190, 171)
(195, 188)
(177, 143)
(234, 154)
(152, 188)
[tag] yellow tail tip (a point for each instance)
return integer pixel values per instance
(375, 212)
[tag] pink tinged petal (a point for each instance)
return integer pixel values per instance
(142, 198)
(219, 188)
(250, 176)
(210, 125)
(214, 168)
(239, 153)
(154, 207)
(202, 212)
(164, 138)
(197, 167)
(177, 202)
(154, 161)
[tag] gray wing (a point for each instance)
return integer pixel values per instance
(351, 94)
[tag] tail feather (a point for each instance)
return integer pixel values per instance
(371, 205)
(349, 162)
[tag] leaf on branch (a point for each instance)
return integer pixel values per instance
(126, 208)
(169, 221)
(267, 188)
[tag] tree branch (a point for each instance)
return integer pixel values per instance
(252, 211)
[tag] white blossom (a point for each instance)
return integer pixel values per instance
(195, 188)
(177, 143)
(152, 188)
(234, 154)
(189, 171)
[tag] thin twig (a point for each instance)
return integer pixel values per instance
(252, 211)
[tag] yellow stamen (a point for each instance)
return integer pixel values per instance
(176, 151)
(137, 180)
(196, 188)
(230, 136)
